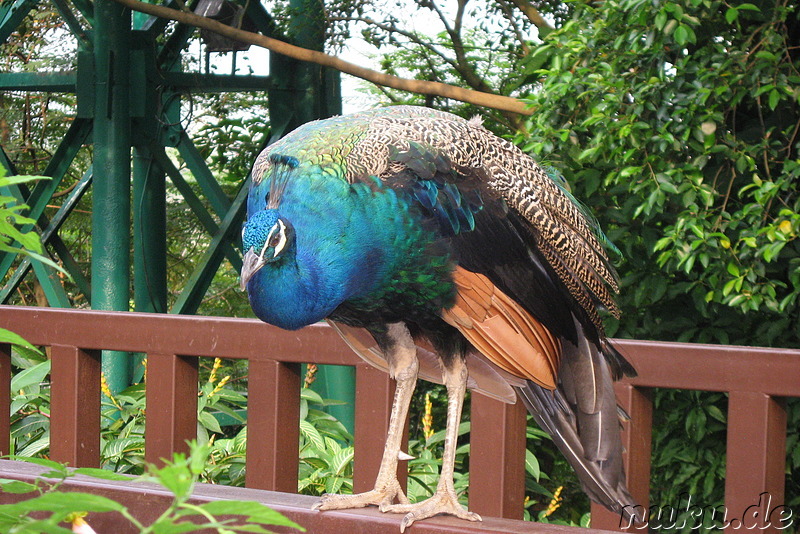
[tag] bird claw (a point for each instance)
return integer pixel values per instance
(381, 496)
(442, 502)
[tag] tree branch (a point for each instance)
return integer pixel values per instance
(534, 16)
(499, 102)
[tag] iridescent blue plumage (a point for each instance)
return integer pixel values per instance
(361, 245)
(439, 238)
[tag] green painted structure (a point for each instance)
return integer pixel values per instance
(129, 81)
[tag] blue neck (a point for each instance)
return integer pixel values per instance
(338, 254)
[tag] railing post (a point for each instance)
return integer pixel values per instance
(75, 406)
(273, 425)
(5, 399)
(374, 397)
(497, 457)
(754, 483)
(171, 389)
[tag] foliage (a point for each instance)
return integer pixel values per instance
(689, 430)
(178, 476)
(677, 122)
(326, 448)
(230, 129)
(30, 408)
(683, 133)
(16, 230)
(32, 123)
(30, 425)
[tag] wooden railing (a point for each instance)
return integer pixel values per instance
(756, 379)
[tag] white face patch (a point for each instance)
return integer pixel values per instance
(276, 240)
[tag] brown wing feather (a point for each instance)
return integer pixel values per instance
(502, 330)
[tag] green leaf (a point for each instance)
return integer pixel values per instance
(311, 396)
(661, 20)
(532, 465)
(7, 336)
(774, 99)
(28, 525)
(168, 526)
(63, 503)
(118, 447)
(176, 478)
(681, 34)
(16, 486)
(731, 14)
(333, 484)
(311, 433)
(36, 447)
(20, 179)
(716, 413)
(30, 376)
(104, 474)
(210, 422)
(341, 460)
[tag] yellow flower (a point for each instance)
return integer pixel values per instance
(219, 386)
(427, 418)
(217, 364)
(107, 390)
(555, 502)
(311, 372)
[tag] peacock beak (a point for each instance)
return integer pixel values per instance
(251, 263)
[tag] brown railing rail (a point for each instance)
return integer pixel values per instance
(757, 380)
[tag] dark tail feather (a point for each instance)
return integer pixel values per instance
(619, 365)
(582, 418)
(597, 479)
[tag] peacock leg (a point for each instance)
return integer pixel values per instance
(444, 501)
(401, 354)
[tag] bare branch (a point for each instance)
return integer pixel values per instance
(533, 15)
(499, 102)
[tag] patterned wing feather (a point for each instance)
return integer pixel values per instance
(566, 238)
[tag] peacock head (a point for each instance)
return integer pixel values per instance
(265, 238)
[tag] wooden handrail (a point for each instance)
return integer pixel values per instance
(756, 379)
(146, 501)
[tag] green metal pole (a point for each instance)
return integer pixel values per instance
(149, 241)
(307, 29)
(111, 204)
(149, 234)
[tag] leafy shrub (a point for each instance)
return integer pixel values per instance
(178, 476)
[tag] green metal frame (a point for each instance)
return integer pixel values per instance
(128, 83)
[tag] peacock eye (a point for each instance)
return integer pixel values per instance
(275, 239)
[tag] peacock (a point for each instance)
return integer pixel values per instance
(441, 251)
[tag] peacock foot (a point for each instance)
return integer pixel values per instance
(444, 501)
(382, 495)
